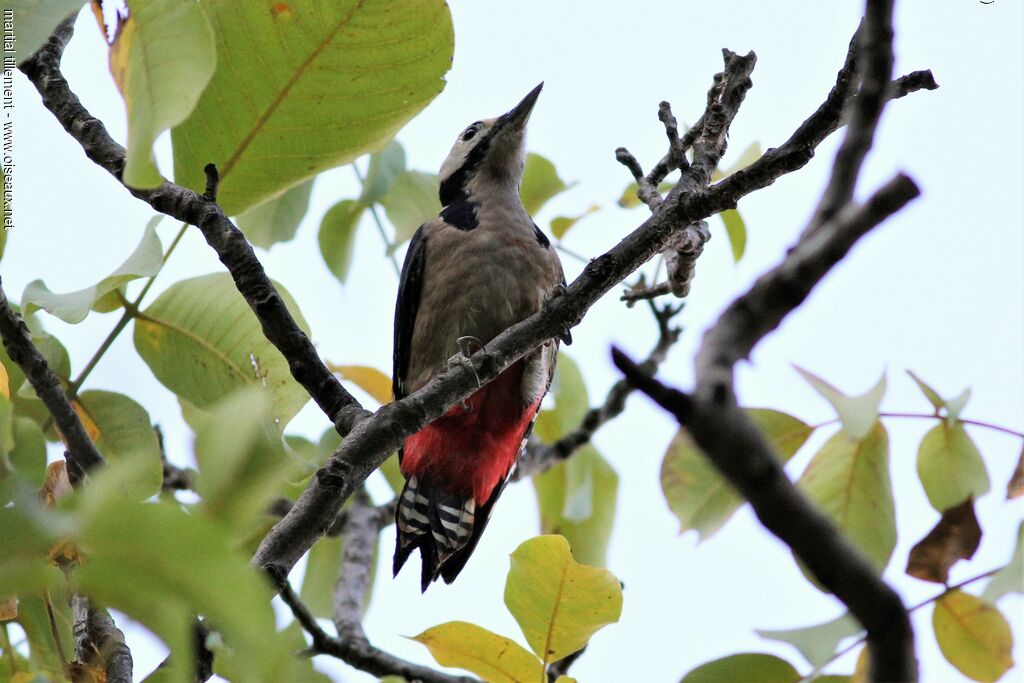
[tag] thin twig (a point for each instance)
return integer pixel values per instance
(359, 653)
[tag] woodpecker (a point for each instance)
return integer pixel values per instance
(481, 266)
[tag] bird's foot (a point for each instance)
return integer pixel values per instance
(462, 359)
(557, 291)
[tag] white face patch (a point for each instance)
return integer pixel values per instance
(468, 139)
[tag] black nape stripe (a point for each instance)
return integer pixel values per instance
(542, 239)
(453, 188)
(461, 214)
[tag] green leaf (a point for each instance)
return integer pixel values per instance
(697, 494)
(411, 202)
(321, 574)
(857, 413)
(494, 658)
(561, 224)
(385, 166)
(1010, 578)
(736, 229)
(337, 236)
(571, 402)
(973, 636)
(557, 602)
(277, 219)
(849, 481)
(950, 466)
(817, 643)
(242, 463)
(121, 430)
(540, 183)
(133, 547)
(951, 407)
(145, 261)
(162, 57)
(203, 342)
(26, 459)
(34, 21)
(588, 536)
(744, 667)
(344, 78)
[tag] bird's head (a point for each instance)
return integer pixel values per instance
(488, 153)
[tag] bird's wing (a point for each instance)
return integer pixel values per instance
(410, 289)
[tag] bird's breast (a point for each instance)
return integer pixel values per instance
(476, 283)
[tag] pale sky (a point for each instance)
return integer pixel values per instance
(937, 289)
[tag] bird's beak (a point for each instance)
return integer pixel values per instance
(520, 114)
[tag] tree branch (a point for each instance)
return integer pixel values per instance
(279, 327)
(98, 641)
(359, 653)
(81, 453)
(731, 440)
(373, 439)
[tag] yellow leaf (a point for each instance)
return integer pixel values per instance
(371, 380)
(973, 636)
(558, 602)
(494, 658)
(5, 382)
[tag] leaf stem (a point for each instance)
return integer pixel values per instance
(56, 635)
(933, 416)
(388, 244)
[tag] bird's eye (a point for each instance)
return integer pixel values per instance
(470, 132)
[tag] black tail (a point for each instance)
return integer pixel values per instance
(444, 527)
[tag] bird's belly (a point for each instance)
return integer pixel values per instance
(468, 451)
(478, 290)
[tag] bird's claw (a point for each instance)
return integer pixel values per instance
(462, 359)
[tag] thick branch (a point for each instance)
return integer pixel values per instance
(82, 454)
(99, 642)
(359, 538)
(732, 441)
(43, 69)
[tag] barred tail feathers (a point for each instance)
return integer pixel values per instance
(439, 524)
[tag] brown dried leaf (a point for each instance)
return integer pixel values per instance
(1015, 488)
(9, 608)
(56, 485)
(955, 537)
